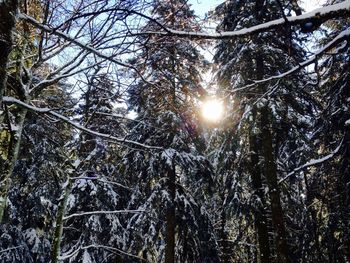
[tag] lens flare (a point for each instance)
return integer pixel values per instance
(212, 110)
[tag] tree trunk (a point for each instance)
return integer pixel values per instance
(260, 215)
(8, 10)
(170, 213)
(59, 223)
(13, 152)
(344, 186)
(170, 217)
(255, 169)
(268, 154)
(271, 177)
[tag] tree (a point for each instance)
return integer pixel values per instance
(96, 191)
(35, 67)
(160, 198)
(16, 86)
(263, 107)
(166, 117)
(328, 187)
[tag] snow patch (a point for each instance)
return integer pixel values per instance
(86, 257)
(168, 155)
(32, 239)
(76, 163)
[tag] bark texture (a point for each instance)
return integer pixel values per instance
(270, 168)
(13, 152)
(271, 177)
(260, 214)
(59, 223)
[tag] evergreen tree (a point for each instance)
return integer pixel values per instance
(270, 183)
(172, 183)
(96, 185)
(264, 109)
(329, 185)
(35, 184)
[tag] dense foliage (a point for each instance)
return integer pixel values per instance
(105, 156)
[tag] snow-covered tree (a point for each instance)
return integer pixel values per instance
(271, 184)
(329, 184)
(265, 115)
(95, 184)
(173, 182)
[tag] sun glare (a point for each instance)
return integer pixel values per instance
(212, 110)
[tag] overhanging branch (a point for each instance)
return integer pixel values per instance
(11, 100)
(313, 162)
(321, 14)
(342, 36)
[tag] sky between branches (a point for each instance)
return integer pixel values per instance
(203, 6)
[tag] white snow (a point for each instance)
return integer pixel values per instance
(71, 201)
(76, 163)
(32, 239)
(102, 212)
(86, 257)
(10, 100)
(313, 162)
(310, 5)
(343, 6)
(168, 155)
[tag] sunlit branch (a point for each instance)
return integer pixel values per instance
(321, 14)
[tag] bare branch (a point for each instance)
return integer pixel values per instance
(125, 142)
(80, 44)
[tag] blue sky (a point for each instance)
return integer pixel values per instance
(203, 6)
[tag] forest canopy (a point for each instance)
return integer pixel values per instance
(137, 131)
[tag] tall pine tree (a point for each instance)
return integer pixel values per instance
(172, 183)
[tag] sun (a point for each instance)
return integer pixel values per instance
(212, 110)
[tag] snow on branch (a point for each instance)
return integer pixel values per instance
(11, 100)
(10, 248)
(116, 250)
(321, 14)
(103, 213)
(313, 162)
(101, 180)
(342, 36)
